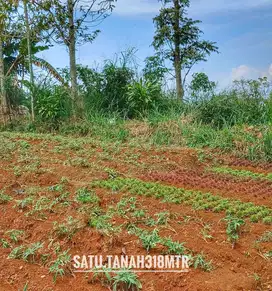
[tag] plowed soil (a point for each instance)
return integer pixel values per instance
(31, 166)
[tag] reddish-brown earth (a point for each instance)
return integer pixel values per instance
(233, 269)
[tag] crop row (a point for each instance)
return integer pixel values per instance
(197, 199)
(241, 173)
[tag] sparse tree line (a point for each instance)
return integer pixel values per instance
(28, 27)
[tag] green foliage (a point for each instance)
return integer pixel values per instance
(68, 228)
(27, 253)
(52, 104)
(241, 173)
(245, 103)
(150, 239)
(201, 88)
(154, 69)
(196, 199)
(4, 198)
(200, 262)
(86, 196)
(142, 96)
(233, 230)
(266, 237)
(61, 266)
(178, 37)
(15, 235)
(126, 280)
(173, 247)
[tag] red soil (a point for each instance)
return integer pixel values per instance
(234, 269)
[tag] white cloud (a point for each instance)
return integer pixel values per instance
(246, 72)
(270, 70)
(136, 7)
(210, 6)
(198, 7)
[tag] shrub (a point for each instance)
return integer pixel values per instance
(142, 96)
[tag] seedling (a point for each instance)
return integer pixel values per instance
(24, 203)
(266, 237)
(233, 230)
(150, 239)
(67, 229)
(200, 262)
(5, 244)
(27, 253)
(163, 218)
(61, 266)
(4, 198)
(86, 196)
(15, 235)
(127, 281)
(173, 247)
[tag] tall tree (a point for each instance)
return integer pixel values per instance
(28, 37)
(71, 25)
(178, 39)
(6, 8)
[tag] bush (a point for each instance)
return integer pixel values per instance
(246, 103)
(142, 96)
(53, 104)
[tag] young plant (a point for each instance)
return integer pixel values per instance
(61, 266)
(24, 203)
(27, 253)
(86, 196)
(4, 198)
(127, 281)
(5, 244)
(103, 275)
(173, 247)
(67, 229)
(15, 235)
(266, 237)
(233, 230)
(30, 252)
(150, 239)
(200, 262)
(162, 218)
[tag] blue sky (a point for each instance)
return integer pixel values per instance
(241, 28)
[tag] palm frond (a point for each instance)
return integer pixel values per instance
(46, 66)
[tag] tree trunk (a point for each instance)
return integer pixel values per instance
(4, 101)
(29, 59)
(72, 55)
(177, 54)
